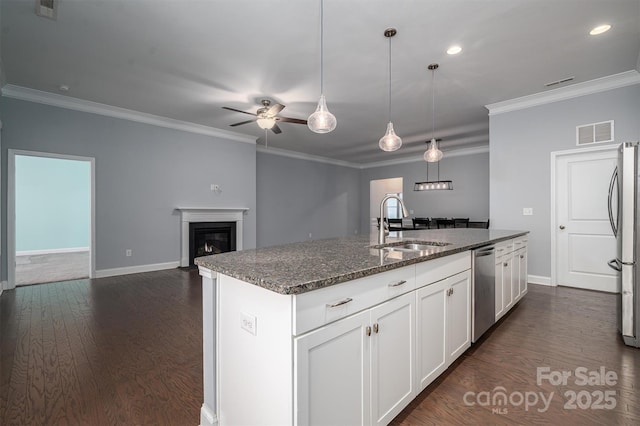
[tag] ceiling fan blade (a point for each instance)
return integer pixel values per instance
(237, 110)
(275, 129)
(241, 123)
(274, 110)
(291, 120)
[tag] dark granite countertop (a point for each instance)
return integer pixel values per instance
(300, 267)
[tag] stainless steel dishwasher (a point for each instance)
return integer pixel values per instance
(484, 290)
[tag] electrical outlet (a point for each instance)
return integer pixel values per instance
(527, 211)
(127, 252)
(249, 323)
(216, 188)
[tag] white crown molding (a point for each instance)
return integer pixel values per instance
(54, 99)
(615, 81)
(309, 157)
(453, 153)
(318, 159)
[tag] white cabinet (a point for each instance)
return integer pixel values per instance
(444, 325)
(511, 274)
(333, 373)
(358, 367)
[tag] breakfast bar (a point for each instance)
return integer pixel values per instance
(337, 331)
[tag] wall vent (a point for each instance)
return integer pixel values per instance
(594, 133)
(47, 8)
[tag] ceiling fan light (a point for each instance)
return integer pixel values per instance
(322, 121)
(266, 122)
(433, 154)
(390, 141)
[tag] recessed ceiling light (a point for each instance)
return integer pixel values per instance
(600, 29)
(63, 88)
(454, 50)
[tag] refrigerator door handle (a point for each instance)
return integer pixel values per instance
(615, 265)
(614, 177)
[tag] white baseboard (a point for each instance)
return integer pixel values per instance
(207, 417)
(51, 251)
(538, 279)
(103, 273)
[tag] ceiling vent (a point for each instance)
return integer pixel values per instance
(47, 8)
(594, 133)
(555, 83)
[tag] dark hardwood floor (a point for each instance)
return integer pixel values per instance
(128, 350)
(124, 350)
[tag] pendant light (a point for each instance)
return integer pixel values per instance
(390, 141)
(322, 121)
(433, 154)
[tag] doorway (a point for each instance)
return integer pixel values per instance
(378, 188)
(581, 238)
(51, 212)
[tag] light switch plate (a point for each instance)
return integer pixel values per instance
(527, 211)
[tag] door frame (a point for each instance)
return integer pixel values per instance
(555, 156)
(11, 208)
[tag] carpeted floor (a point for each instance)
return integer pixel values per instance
(45, 268)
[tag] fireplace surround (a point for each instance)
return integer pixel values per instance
(200, 215)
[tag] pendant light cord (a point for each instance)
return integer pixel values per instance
(389, 79)
(433, 104)
(321, 47)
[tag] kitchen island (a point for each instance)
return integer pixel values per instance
(337, 331)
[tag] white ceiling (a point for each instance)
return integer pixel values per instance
(185, 59)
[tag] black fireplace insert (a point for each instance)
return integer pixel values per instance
(207, 238)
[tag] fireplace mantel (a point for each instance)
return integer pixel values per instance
(207, 214)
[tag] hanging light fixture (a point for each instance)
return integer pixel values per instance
(390, 141)
(322, 121)
(433, 154)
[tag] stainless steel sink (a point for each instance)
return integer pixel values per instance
(412, 245)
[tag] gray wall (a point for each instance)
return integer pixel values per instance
(297, 197)
(469, 198)
(143, 173)
(521, 142)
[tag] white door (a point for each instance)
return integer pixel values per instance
(392, 357)
(458, 315)
(332, 374)
(584, 240)
(431, 359)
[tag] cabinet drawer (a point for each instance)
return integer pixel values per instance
(320, 307)
(520, 242)
(504, 247)
(438, 269)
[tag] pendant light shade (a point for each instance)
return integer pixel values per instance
(390, 141)
(433, 154)
(322, 121)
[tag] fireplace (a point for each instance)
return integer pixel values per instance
(207, 238)
(199, 215)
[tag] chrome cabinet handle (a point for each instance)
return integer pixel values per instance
(375, 328)
(561, 226)
(399, 283)
(342, 302)
(505, 264)
(368, 331)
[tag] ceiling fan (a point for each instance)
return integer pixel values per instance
(267, 116)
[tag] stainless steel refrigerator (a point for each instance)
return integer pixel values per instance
(623, 214)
